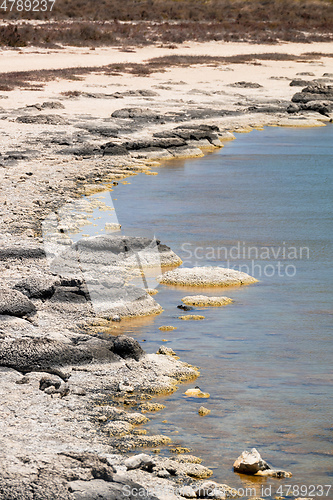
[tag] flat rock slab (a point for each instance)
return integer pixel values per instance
(205, 276)
(204, 301)
(25, 355)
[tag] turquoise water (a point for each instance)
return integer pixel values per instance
(266, 359)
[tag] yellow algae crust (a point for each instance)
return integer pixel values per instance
(196, 393)
(204, 301)
(203, 411)
(192, 317)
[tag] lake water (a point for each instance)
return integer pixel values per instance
(263, 201)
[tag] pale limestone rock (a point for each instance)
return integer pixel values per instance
(205, 276)
(204, 301)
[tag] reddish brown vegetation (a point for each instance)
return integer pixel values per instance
(87, 22)
(35, 79)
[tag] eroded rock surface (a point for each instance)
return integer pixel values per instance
(14, 303)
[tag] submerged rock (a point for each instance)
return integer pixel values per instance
(167, 351)
(204, 301)
(205, 276)
(192, 317)
(196, 393)
(203, 411)
(185, 308)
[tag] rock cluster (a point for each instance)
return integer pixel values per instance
(315, 97)
(180, 141)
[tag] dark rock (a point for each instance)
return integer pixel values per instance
(46, 382)
(298, 82)
(141, 113)
(23, 380)
(63, 140)
(147, 93)
(293, 108)
(103, 131)
(99, 467)
(185, 308)
(70, 295)
(316, 92)
(318, 89)
(154, 143)
(21, 252)
(203, 126)
(42, 119)
(245, 85)
(135, 93)
(267, 109)
(196, 134)
(52, 105)
(114, 150)
(322, 107)
(13, 155)
(165, 134)
(71, 282)
(99, 349)
(14, 303)
(126, 347)
(37, 288)
(40, 354)
(87, 150)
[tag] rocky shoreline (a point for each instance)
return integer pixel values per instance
(65, 386)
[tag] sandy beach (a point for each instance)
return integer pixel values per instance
(62, 435)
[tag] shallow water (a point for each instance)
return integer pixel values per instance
(266, 359)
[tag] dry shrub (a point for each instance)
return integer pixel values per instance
(172, 21)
